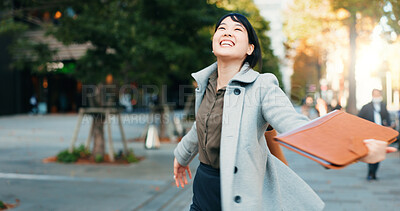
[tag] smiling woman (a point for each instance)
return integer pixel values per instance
(236, 31)
(234, 106)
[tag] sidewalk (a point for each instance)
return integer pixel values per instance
(148, 185)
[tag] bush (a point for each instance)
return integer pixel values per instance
(2, 205)
(67, 157)
(98, 158)
(131, 158)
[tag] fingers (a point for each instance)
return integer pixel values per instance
(390, 149)
(180, 174)
(181, 181)
(176, 181)
(176, 166)
(376, 151)
(184, 178)
(374, 141)
(190, 173)
(181, 178)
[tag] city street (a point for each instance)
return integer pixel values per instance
(148, 185)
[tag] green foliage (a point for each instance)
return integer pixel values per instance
(149, 41)
(392, 13)
(67, 157)
(98, 158)
(371, 8)
(2, 205)
(80, 152)
(131, 158)
(8, 26)
(31, 55)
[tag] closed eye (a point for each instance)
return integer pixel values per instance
(238, 29)
(221, 28)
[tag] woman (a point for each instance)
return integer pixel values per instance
(234, 105)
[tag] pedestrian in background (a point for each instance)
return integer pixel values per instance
(234, 106)
(308, 108)
(375, 111)
(34, 104)
(334, 105)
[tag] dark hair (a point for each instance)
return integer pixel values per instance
(255, 57)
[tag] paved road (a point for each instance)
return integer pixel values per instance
(148, 185)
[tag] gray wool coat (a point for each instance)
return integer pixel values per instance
(260, 182)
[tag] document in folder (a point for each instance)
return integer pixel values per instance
(336, 139)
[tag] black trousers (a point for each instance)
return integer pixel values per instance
(206, 189)
(372, 169)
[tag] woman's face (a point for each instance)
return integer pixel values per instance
(231, 40)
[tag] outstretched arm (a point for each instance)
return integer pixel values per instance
(188, 147)
(277, 109)
(184, 153)
(279, 112)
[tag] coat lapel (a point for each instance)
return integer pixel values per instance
(201, 78)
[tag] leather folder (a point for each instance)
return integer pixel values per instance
(336, 139)
(273, 146)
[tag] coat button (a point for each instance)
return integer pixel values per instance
(236, 91)
(236, 169)
(238, 199)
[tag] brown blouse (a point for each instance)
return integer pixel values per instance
(209, 122)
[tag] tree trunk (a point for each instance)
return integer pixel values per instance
(97, 100)
(98, 135)
(163, 100)
(351, 102)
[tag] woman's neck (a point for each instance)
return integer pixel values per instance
(226, 71)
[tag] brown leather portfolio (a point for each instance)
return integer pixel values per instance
(336, 139)
(273, 146)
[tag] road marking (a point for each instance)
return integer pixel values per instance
(80, 179)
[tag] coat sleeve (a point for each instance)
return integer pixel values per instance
(188, 147)
(363, 112)
(385, 115)
(277, 109)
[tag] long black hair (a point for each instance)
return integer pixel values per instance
(256, 56)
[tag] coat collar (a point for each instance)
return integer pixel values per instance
(245, 75)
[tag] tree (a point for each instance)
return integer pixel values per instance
(146, 41)
(372, 9)
(321, 18)
(306, 71)
(310, 27)
(142, 41)
(392, 13)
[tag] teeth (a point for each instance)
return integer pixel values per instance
(228, 43)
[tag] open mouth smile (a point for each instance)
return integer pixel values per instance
(227, 43)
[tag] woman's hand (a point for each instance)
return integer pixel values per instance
(376, 151)
(180, 174)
